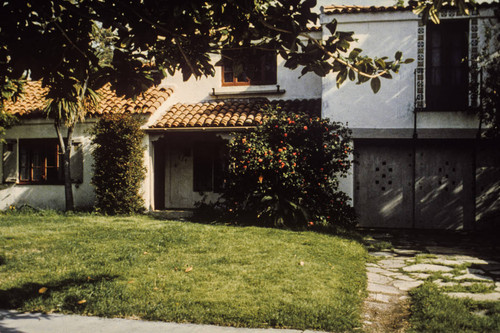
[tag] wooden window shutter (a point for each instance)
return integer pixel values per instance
(9, 160)
(77, 162)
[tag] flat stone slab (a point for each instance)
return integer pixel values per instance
(378, 278)
(378, 307)
(472, 260)
(403, 277)
(427, 268)
(382, 254)
(380, 298)
(392, 263)
(475, 271)
(477, 277)
(406, 252)
(446, 262)
(382, 289)
(380, 271)
(477, 297)
(407, 285)
(440, 283)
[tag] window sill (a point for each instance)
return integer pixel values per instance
(40, 183)
(244, 91)
(466, 109)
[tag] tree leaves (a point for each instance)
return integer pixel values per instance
(429, 9)
(332, 27)
(375, 85)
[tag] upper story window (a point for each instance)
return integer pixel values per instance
(40, 161)
(259, 69)
(447, 75)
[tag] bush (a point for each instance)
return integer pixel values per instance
(118, 164)
(286, 172)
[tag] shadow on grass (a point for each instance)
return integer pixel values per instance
(209, 216)
(17, 297)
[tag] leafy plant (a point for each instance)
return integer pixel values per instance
(118, 164)
(286, 172)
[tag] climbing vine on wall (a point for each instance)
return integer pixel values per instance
(118, 164)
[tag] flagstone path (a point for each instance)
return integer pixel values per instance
(455, 269)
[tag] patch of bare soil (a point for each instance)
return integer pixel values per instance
(390, 317)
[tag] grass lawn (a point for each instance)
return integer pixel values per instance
(432, 311)
(140, 267)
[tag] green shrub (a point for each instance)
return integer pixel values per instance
(118, 164)
(286, 172)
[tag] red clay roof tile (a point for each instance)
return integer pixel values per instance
(348, 9)
(230, 113)
(351, 9)
(31, 104)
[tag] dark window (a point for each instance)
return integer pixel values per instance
(257, 67)
(209, 163)
(447, 66)
(40, 162)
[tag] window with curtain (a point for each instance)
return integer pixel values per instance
(40, 162)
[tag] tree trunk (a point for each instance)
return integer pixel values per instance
(66, 151)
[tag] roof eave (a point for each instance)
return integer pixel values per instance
(200, 129)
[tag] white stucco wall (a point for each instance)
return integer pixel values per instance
(200, 90)
(389, 113)
(48, 196)
(382, 34)
(194, 91)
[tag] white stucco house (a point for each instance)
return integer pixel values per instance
(418, 162)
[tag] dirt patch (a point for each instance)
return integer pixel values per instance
(386, 317)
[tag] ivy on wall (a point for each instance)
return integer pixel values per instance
(118, 170)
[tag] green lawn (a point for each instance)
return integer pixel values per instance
(178, 271)
(432, 311)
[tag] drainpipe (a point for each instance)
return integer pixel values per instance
(477, 141)
(414, 152)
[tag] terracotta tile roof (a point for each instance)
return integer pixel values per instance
(314, 28)
(228, 113)
(349, 9)
(361, 9)
(32, 103)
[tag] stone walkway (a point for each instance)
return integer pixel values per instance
(467, 270)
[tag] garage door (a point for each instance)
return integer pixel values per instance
(383, 183)
(435, 189)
